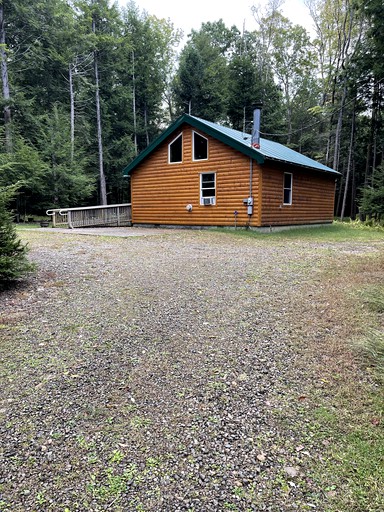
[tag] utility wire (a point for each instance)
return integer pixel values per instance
(330, 114)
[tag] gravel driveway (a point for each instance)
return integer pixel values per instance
(164, 373)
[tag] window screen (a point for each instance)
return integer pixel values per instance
(208, 188)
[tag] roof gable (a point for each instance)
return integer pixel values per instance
(240, 141)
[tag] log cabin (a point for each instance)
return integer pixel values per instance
(198, 173)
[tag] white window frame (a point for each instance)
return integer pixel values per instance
(290, 189)
(212, 197)
(193, 147)
(169, 149)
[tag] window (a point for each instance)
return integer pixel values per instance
(208, 188)
(175, 150)
(287, 188)
(200, 147)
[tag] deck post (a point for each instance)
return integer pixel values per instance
(69, 220)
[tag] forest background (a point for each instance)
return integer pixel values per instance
(87, 85)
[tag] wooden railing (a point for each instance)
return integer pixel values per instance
(113, 215)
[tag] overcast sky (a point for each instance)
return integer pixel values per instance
(191, 14)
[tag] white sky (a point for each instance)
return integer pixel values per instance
(191, 14)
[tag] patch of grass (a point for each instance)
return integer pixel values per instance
(344, 424)
(372, 347)
(111, 484)
(326, 416)
(30, 225)
(230, 506)
(84, 443)
(335, 232)
(373, 298)
(351, 474)
(153, 462)
(371, 344)
(353, 426)
(239, 491)
(140, 422)
(5, 506)
(40, 498)
(116, 457)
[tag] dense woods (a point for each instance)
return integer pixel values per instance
(88, 84)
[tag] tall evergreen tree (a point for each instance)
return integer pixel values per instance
(201, 83)
(251, 80)
(13, 261)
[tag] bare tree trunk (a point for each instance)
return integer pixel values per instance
(288, 111)
(372, 137)
(328, 150)
(336, 155)
(289, 122)
(338, 32)
(349, 165)
(134, 104)
(54, 170)
(103, 188)
(168, 101)
(374, 149)
(146, 125)
(5, 82)
(72, 101)
(353, 191)
(340, 193)
(54, 127)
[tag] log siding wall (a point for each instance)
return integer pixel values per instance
(161, 191)
(312, 197)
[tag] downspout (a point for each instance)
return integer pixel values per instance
(250, 198)
(250, 176)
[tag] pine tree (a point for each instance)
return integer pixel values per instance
(372, 202)
(13, 261)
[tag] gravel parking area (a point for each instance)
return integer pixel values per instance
(165, 373)
(123, 232)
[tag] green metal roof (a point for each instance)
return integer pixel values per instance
(237, 140)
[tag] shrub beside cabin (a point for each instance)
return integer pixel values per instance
(199, 173)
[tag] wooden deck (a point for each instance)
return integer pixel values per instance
(114, 215)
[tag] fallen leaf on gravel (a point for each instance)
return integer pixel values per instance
(291, 471)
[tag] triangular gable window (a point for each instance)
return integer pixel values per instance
(175, 150)
(200, 147)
